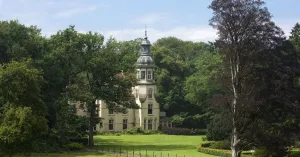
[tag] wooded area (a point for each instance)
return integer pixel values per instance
(243, 87)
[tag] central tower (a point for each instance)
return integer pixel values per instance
(145, 90)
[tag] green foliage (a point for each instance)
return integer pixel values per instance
(22, 110)
(184, 120)
(295, 37)
(182, 131)
(217, 152)
(132, 131)
(135, 130)
(293, 153)
(219, 128)
(221, 145)
(175, 60)
(75, 146)
(19, 42)
(204, 82)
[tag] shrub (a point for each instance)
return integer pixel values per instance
(205, 145)
(217, 152)
(293, 154)
(135, 130)
(83, 141)
(183, 120)
(263, 152)
(218, 129)
(183, 131)
(221, 145)
(75, 146)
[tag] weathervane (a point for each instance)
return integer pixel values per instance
(146, 32)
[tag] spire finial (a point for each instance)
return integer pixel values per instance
(146, 32)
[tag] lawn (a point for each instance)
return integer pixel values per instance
(69, 154)
(161, 145)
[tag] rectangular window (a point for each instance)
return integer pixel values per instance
(149, 75)
(150, 93)
(150, 110)
(138, 74)
(111, 125)
(110, 111)
(101, 124)
(145, 124)
(124, 124)
(149, 124)
(143, 75)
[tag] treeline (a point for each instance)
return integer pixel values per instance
(40, 75)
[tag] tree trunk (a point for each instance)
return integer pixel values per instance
(236, 152)
(91, 126)
(234, 69)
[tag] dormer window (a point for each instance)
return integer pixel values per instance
(143, 75)
(149, 75)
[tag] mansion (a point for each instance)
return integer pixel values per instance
(148, 115)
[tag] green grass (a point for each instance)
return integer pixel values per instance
(69, 154)
(180, 145)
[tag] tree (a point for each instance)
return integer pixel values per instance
(98, 75)
(22, 110)
(248, 40)
(19, 42)
(295, 37)
(175, 62)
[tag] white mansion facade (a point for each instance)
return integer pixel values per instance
(148, 116)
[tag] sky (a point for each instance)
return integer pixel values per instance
(126, 19)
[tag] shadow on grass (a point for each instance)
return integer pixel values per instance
(117, 144)
(144, 147)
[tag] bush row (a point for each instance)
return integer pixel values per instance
(217, 152)
(207, 148)
(132, 131)
(166, 130)
(183, 131)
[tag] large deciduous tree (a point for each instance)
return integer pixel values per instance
(92, 70)
(22, 111)
(248, 41)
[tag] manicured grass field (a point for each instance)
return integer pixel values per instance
(70, 154)
(182, 146)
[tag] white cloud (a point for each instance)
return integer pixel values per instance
(286, 25)
(185, 33)
(73, 11)
(152, 18)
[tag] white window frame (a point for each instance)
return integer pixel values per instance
(149, 74)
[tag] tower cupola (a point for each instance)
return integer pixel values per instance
(145, 63)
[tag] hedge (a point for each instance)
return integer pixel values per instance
(182, 131)
(203, 148)
(217, 152)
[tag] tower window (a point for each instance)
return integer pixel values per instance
(150, 110)
(143, 74)
(111, 124)
(149, 75)
(125, 124)
(150, 93)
